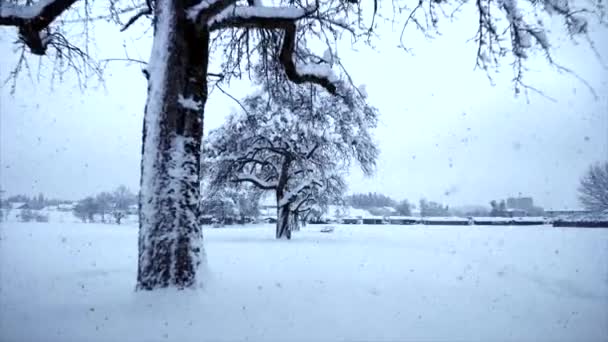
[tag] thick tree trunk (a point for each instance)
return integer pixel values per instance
(283, 221)
(170, 238)
(283, 209)
(294, 225)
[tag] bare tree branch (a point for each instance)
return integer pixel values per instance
(286, 22)
(146, 11)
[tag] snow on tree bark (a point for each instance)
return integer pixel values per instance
(294, 223)
(283, 219)
(283, 230)
(170, 238)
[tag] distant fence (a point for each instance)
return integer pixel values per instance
(489, 221)
(580, 224)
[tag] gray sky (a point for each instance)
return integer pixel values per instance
(445, 133)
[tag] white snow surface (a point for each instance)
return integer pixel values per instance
(192, 12)
(75, 282)
(246, 12)
(319, 70)
(189, 103)
(440, 219)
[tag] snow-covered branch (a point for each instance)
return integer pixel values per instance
(298, 207)
(312, 151)
(205, 10)
(33, 20)
(277, 18)
(290, 195)
(38, 15)
(255, 181)
(257, 17)
(321, 74)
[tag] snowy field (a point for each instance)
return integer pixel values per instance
(74, 282)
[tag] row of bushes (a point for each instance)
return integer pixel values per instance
(29, 215)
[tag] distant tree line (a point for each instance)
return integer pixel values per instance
(230, 204)
(593, 188)
(433, 209)
(370, 200)
(377, 204)
(107, 205)
(519, 206)
(34, 202)
(30, 207)
(30, 215)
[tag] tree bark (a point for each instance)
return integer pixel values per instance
(170, 238)
(294, 225)
(283, 209)
(283, 220)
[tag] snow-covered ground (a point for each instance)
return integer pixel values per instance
(74, 282)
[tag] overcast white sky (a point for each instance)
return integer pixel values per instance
(445, 133)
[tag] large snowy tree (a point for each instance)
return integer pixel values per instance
(236, 201)
(296, 143)
(188, 32)
(593, 188)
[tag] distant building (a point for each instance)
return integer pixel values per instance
(522, 203)
(351, 220)
(401, 220)
(133, 209)
(522, 206)
(565, 212)
(373, 220)
(65, 207)
(18, 205)
(516, 212)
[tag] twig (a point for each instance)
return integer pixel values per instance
(233, 98)
(146, 11)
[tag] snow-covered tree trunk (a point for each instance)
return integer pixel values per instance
(283, 222)
(294, 225)
(170, 238)
(283, 207)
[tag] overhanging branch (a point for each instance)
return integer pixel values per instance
(284, 19)
(255, 181)
(37, 16)
(286, 58)
(33, 21)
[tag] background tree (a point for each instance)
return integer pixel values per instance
(38, 202)
(29, 215)
(5, 210)
(220, 205)
(186, 32)
(5, 207)
(104, 205)
(118, 216)
(122, 198)
(294, 144)
(433, 209)
(86, 209)
(593, 188)
(18, 198)
(403, 208)
(369, 200)
(498, 209)
(315, 201)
